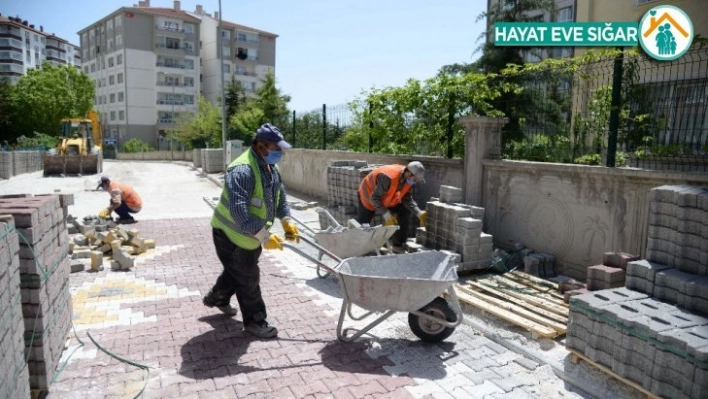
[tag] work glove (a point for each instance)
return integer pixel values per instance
(389, 219)
(423, 217)
(105, 213)
(291, 231)
(273, 242)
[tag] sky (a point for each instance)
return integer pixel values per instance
(327, 52)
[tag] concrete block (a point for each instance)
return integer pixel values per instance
(639, 284)
(645, 269)
(77, 266)
(149, 243)
(618, 259)
(96, 260)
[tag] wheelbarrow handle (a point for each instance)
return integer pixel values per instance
(309, 257)
(317, 246)
(306, 227)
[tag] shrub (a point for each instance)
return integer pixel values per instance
(136, 145)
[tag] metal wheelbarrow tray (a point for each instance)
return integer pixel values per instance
(398, 283)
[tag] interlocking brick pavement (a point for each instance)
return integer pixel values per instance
(196, 352)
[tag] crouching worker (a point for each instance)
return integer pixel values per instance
(386, 190)
(124, 200)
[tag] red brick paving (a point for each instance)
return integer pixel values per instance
(195, 352)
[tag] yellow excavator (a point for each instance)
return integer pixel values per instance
(79, 150)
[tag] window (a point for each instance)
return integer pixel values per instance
(189, 82)
(103, 81)
(120, 78)
(188, 28)
(121, 115)
(119, 59)
(113, 98)
(93, 68)
(188, 99)
(86, 69)
(240, 70)
(119, 21)
(110, 45)
(29, 56)
(226, 52)
(92, 34)
(189, 47)
(111, 80)
(247, 54)
(119, 40)
(565, 15)
(110, 62)
(120, 97)
(113, 115)
(188, 64)
(109, 25)
(227, 68)
(226, 34)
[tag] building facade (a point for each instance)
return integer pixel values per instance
(22, 46)
(150, 65)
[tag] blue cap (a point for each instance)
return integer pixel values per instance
(268, 132)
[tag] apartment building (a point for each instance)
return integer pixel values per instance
(150, 65)
(22, 46)
(247, 53)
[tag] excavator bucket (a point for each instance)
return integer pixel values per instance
(72, 165)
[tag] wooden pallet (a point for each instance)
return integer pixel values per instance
(519, 298)
(576, 357)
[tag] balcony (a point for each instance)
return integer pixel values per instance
(169, 28)
(169, 102)
(165, 121)
(246, 73)
(167, 65)
(170, 84)
(251, 42)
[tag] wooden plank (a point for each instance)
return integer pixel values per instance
(535, 328)
(537, 280)
(533, 316)
(540, 287)
(576, 356)
(530, 299)
(502, 294)
(528, 290)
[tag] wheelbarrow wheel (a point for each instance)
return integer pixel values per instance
(428, 330)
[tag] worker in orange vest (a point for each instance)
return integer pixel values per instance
(386, 190)
(124, 200)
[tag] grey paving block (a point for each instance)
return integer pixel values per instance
(639, 284)
(632, 373)
(645, 269)
(667, 390)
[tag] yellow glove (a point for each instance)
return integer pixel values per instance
(273, 242)
(389, 219)
(105, 213)
(289, 227)
(423, 217)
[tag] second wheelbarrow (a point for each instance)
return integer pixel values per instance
(398, 283)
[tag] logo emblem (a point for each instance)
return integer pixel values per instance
(666, 32)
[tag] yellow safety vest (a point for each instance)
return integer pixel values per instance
(222, 218)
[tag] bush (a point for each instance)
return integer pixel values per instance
(136, 145)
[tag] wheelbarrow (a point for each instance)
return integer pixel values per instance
(408, 283)
(349, 242)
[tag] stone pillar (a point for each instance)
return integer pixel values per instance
(482, 141)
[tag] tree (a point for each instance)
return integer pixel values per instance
(515, 104)
(273, 104)
(198, 129)
(6, 110)
(235, 98)
(44, 96)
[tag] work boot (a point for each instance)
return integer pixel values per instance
(128, 220)
(226, 309)
(398, 249)
(261, 330)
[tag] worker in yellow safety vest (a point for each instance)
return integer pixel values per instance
(386, 190)
(253, 196)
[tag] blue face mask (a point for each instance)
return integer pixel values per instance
(273, 157)
(410, 181)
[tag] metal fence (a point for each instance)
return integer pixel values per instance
(321, 128)
(628, 110)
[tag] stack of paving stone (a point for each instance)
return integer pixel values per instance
(343, 179)
(44, 279)
(539, 264)
(457, 227)
(197, 158)
(213, 160)
(658, 326)
(14, 382)
(26, 161)
(611, 273)
(659, 346)
(6, 165)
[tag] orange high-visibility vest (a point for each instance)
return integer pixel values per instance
(392, 197)
(127, 195)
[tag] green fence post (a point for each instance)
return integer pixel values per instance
(324, 126)
(615, 111)
(294, 119)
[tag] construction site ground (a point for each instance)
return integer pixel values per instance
(165, 341)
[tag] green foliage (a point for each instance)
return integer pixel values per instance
(246, 121)
(44, 96)
(541, 148)
(589, 159)
(136, 145)
(198, 129)
(38, 141)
